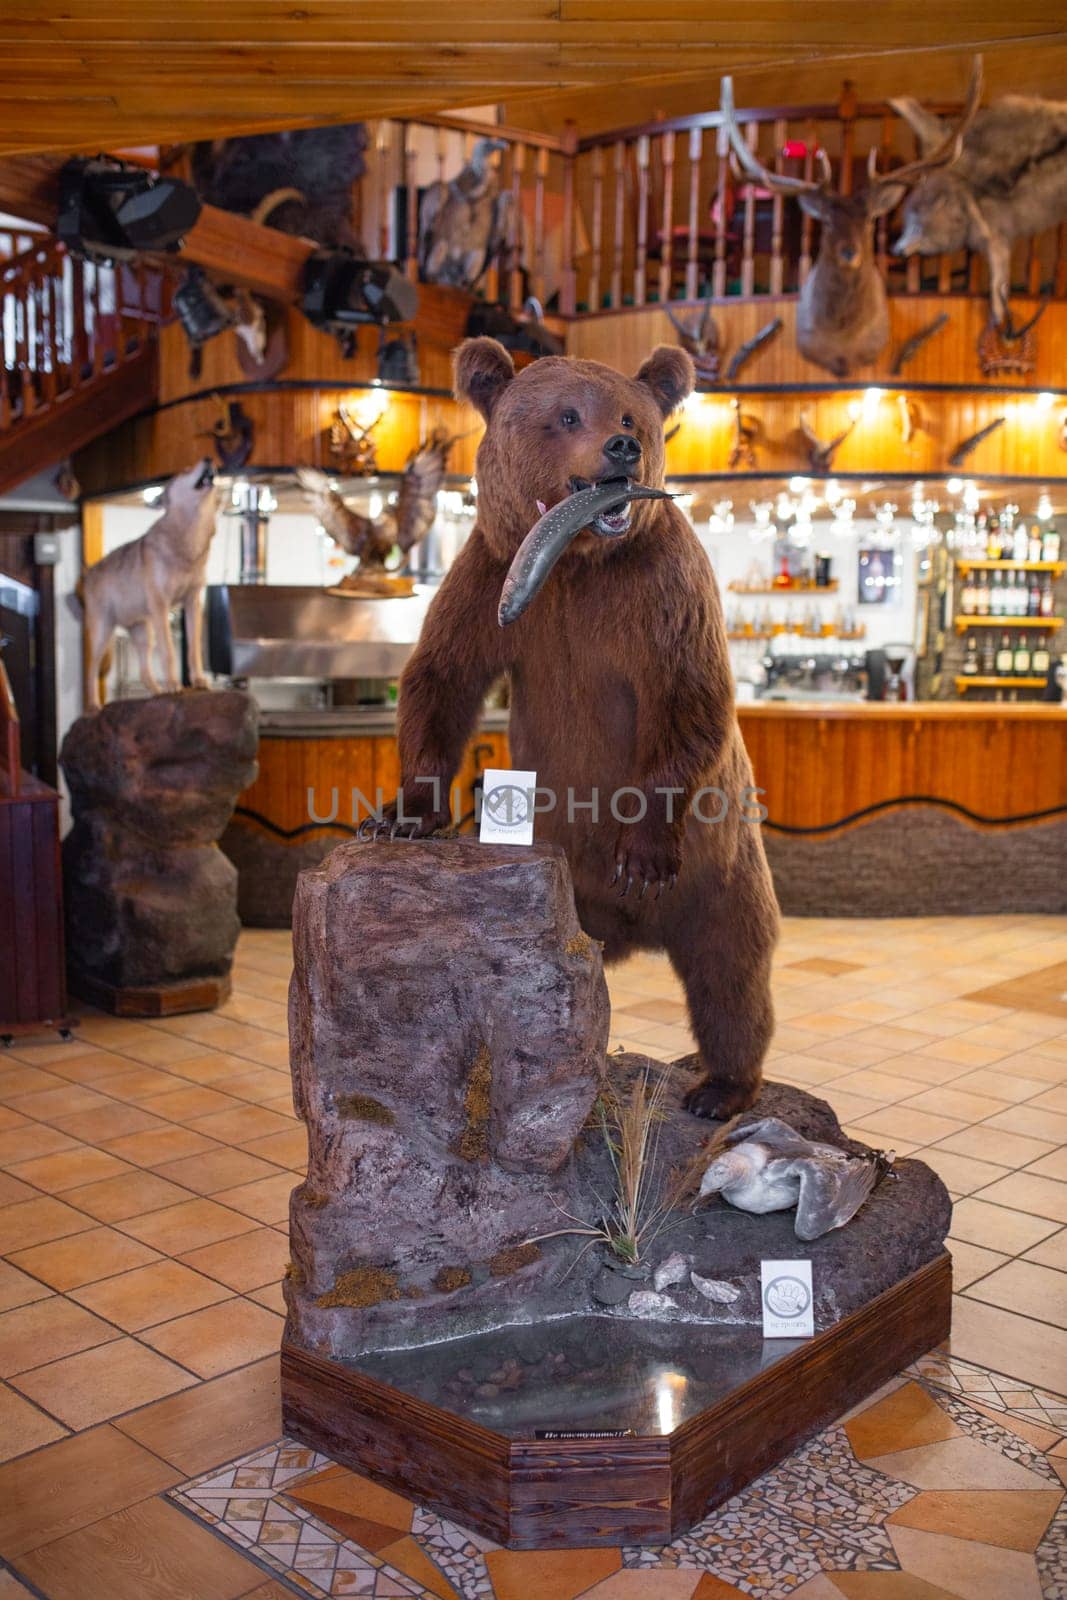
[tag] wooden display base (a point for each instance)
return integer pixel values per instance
(529, 1494)
(160, 1000)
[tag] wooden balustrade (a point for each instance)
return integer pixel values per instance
(659, 213)
(64, 322)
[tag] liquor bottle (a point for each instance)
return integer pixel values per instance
(996, 598)
(1041, 659)
(1035, 543)
(970, 659)
(1033, 601)
(1022, 549)
(1021, 661)
(982, 606)
(967, 595)
(989, 654)
(1050, 545)
(1005, 657)
(1048, 598)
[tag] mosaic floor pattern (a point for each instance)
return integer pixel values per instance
(946, 1485)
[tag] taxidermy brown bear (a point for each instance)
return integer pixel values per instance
(620, 684)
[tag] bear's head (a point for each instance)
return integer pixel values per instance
(560, 425)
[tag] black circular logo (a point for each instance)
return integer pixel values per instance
(507, 805)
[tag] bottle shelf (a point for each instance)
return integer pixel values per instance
(793, 588)
(796, 633)
(963, 623)
(963, 683)
(1056, 567)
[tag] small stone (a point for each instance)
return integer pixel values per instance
(611, 1289)
(625, 1269)
(723, 1294)
(674, 1270)
(645, 1303)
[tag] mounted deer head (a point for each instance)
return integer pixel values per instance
(842, 312)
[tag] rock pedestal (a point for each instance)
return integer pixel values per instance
(151, 901)
(448, 1020)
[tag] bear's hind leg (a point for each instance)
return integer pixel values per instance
(725, 966)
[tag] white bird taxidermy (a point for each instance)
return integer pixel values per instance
(768, 1166)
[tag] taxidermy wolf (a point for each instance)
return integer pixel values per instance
(1009, 183)
(137, 585)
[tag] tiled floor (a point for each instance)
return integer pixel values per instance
(144, 1174)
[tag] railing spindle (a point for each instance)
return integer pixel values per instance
(540, 174)
(811, 140)
(666, 259)
(692, 265)
(881, 227)
(643, 156)
(47, 329)
(409, 160)
(381, 151)
(568, 297)
(748, 252)
(846, 111)
(722, 179)
(618, 256)
(597, 228)
(777, 277)
(516, 286)
(79, 341)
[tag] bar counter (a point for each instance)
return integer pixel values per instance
(874, 808)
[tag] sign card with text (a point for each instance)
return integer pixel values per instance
(788, 1304)
(507, 806)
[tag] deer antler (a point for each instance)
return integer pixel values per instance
(755, 168)
(944, 154)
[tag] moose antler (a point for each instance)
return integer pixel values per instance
(821, 452)
(750, 162)
(942, 154)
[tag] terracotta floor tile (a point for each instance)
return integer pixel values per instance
(94, 1385)
(109, 1122)
(11, 1119)
(1042, 1197)
(1051, 1166)
(1031, 1121)
(48, 1105)
(267, 1200)
(16, 1289)
(1017, 1346)
(1000, 1083)
(1014, 1519)
(246, 1262)
(962, 1463)
(223, 1168)
(997, 1227)
(23, 1427)
(993, 1144)
(211, 1067)
(29, 1222)
(952, 1101)
(271, 1296)
(548, 1574)
(243, 1125)
(871, 1586)
(905, 1418)
(215, 1422)
(258, 1085)
(72, 1483)
(409, 1558)
(90, 1066)
(117, 1198)
(151, 1294)
(289, 1149)
(14, 1189)
(148, 1552)
(1028, 1288)
(83, 1257)
(981, 1572)
(46, 1330)
(30, 1139)
(1051, 1252)
(961, 1174)
(23, 1080)
(157, 1147)
(906, 1122)
(67, 1169)
(190, 1101)
(12, 1589)
(219, 1338)
(970, 1262)
(658, 1584)
(139, 1085)
(338, 1489)
(180, 1228)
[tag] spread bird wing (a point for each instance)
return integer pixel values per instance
(416, 502)
(831, 1191)
(776, 1135)
(352, 531)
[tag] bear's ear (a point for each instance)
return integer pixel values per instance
(482, 369)
(670, 374)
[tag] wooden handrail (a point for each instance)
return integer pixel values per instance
(10, 744)
(829, 111)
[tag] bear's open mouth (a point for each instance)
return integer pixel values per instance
(611, 523)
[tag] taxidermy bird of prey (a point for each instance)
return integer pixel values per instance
(767, 1166)
(403, 524)
(463, 223)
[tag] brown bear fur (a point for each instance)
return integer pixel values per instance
(620, 678)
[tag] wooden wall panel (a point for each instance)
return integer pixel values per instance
(820, 765)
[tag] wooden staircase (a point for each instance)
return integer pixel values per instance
(79, 347)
